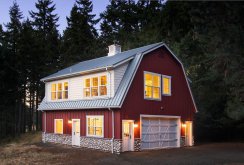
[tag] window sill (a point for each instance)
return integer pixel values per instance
(152, 99)
(93, 136)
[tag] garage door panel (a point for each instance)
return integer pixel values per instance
(159, 132)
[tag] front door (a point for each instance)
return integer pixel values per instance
(76, 132)
(128, 135)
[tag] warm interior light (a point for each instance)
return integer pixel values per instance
(69, 121)
(135, 125)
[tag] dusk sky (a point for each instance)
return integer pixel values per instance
(63, 8)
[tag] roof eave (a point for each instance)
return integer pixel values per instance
(77, 73)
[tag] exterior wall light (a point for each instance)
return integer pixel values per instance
(135, 125)
(69, 121)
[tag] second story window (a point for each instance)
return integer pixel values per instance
(103, 85)
(95, 86)
(53, 92)
(65, 91)
(152, 86)
(87, 90)
(166, 85)
(59, 91)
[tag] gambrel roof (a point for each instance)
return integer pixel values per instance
(134, 58)
(98, 63)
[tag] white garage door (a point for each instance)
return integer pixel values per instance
(160, 132)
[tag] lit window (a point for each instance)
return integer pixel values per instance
(94, 126)
(59, 91)
(59, 94)
(95, 86)
(58, 126)
(152, 86)
(87, 90)
(103, 85)
(53, 92)
(65, 91)
(166, 85)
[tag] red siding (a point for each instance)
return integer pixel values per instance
(179, 103)
(81, 114)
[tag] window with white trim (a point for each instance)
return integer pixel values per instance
(59, 91)
(166, 85)
(58, 126)
(152, 86)
(94, 126)
(95, 86)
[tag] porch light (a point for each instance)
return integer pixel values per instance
(183, 125)
(135, 125)
(69, 121)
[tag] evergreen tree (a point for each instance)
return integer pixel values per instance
(46, 59)
(12, 39)
(80, 37)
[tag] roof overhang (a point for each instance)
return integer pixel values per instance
(95, 70)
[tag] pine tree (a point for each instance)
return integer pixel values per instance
(12, 81)
(80, 37)
(46, 59)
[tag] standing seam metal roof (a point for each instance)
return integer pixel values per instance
(114, 102)
(106, 61)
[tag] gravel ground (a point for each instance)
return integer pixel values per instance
(30, 150)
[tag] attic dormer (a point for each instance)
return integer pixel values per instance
(114, 49)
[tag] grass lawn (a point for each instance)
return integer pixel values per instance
(28, 149)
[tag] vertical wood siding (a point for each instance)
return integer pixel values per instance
(179, 103)
(81, 114)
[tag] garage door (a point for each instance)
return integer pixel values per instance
(160, 132)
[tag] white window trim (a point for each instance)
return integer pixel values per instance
(160, 88)
(98, 87)
(56, 92)
(170, 91)
(95, 116)
(55, 126)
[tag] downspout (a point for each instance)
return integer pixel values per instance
(112, 140)
(109, 81)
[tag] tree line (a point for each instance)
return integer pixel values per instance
(208, 37)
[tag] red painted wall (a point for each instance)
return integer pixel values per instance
(81, 114)
(179, 103)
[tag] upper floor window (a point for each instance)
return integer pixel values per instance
(59, 91)
(152, 86)
(166, 85)
(95, 86)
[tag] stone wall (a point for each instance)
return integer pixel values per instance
(57, 138)
(137, 145)
(103, 144)
(183, 141)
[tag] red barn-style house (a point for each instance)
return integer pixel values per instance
(134, 100)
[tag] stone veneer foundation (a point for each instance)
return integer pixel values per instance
(103, 144)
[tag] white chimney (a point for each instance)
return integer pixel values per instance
(114, 49)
